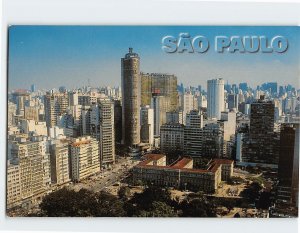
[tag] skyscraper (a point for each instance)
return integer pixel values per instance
(32, 88)
(172, 138)
(188, 103)
(193, 133)
(55, 105)
(261, 145)
(233, 101)
(288, 167)
(59, 162)
(147, 124)
(162, 84)
(107, 132)
(118, 121)
(243, 86)
(160, 105)
(84, 157)
(215, 98)
(131, 98)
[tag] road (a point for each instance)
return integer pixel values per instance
(108, 177)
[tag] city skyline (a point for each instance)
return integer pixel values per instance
(150, 147)
(74, 56)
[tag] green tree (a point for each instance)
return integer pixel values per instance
(145, 199)
(84, 203)
(252, 192)
(159, 209)
(198, 207)
(124, 192)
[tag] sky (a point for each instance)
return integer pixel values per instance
(74, 56)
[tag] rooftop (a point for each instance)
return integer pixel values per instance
(182, 163)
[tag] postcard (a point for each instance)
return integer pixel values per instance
(153, 121)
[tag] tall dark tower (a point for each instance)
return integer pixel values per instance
(288, 167)
(131, 98)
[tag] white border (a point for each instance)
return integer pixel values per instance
(134, 12)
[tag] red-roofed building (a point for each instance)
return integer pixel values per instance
(181, 174)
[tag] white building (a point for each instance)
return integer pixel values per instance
(215, 98)
(13, 190)
(229, 119)
(160, 105)
(56, 133)
(188, 103)
(59, 162)
(85, 157)
(239, 147)
(32, 161)
(31, 126)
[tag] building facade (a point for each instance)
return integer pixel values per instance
(84, 157)
(171, 138)
(162, 84)
(131, 98)
(59, 162)
(180, 174)
(215, 98)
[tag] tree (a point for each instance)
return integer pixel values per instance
(145, 199)
(252, 192)
(198, 207)
(124, 192)
(159, 209)
(264, 200)
(84, 203)
(153, 201)
(108, 206)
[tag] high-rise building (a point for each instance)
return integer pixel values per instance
(162, 84)
(288, 167)
(32, 88)
(59, 162)
(55, 105)
(193, 134)
(229, 121)
(107, 132)
(147, 125)
(188, 103)
(118, 121)
(102, 125)
(233, 101)
(160, 105)
(84, 157)
(172, 138)
(85, 121)
(202, 101)
(13, 187)
(243, 86)
(213, 140)
(270, 87)
(73, 98)
(31, 113)
(19, 98)
(175, 117)
(33, 162)
(261, 145)
(11, 113)
(215, 98)
(131, 98)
